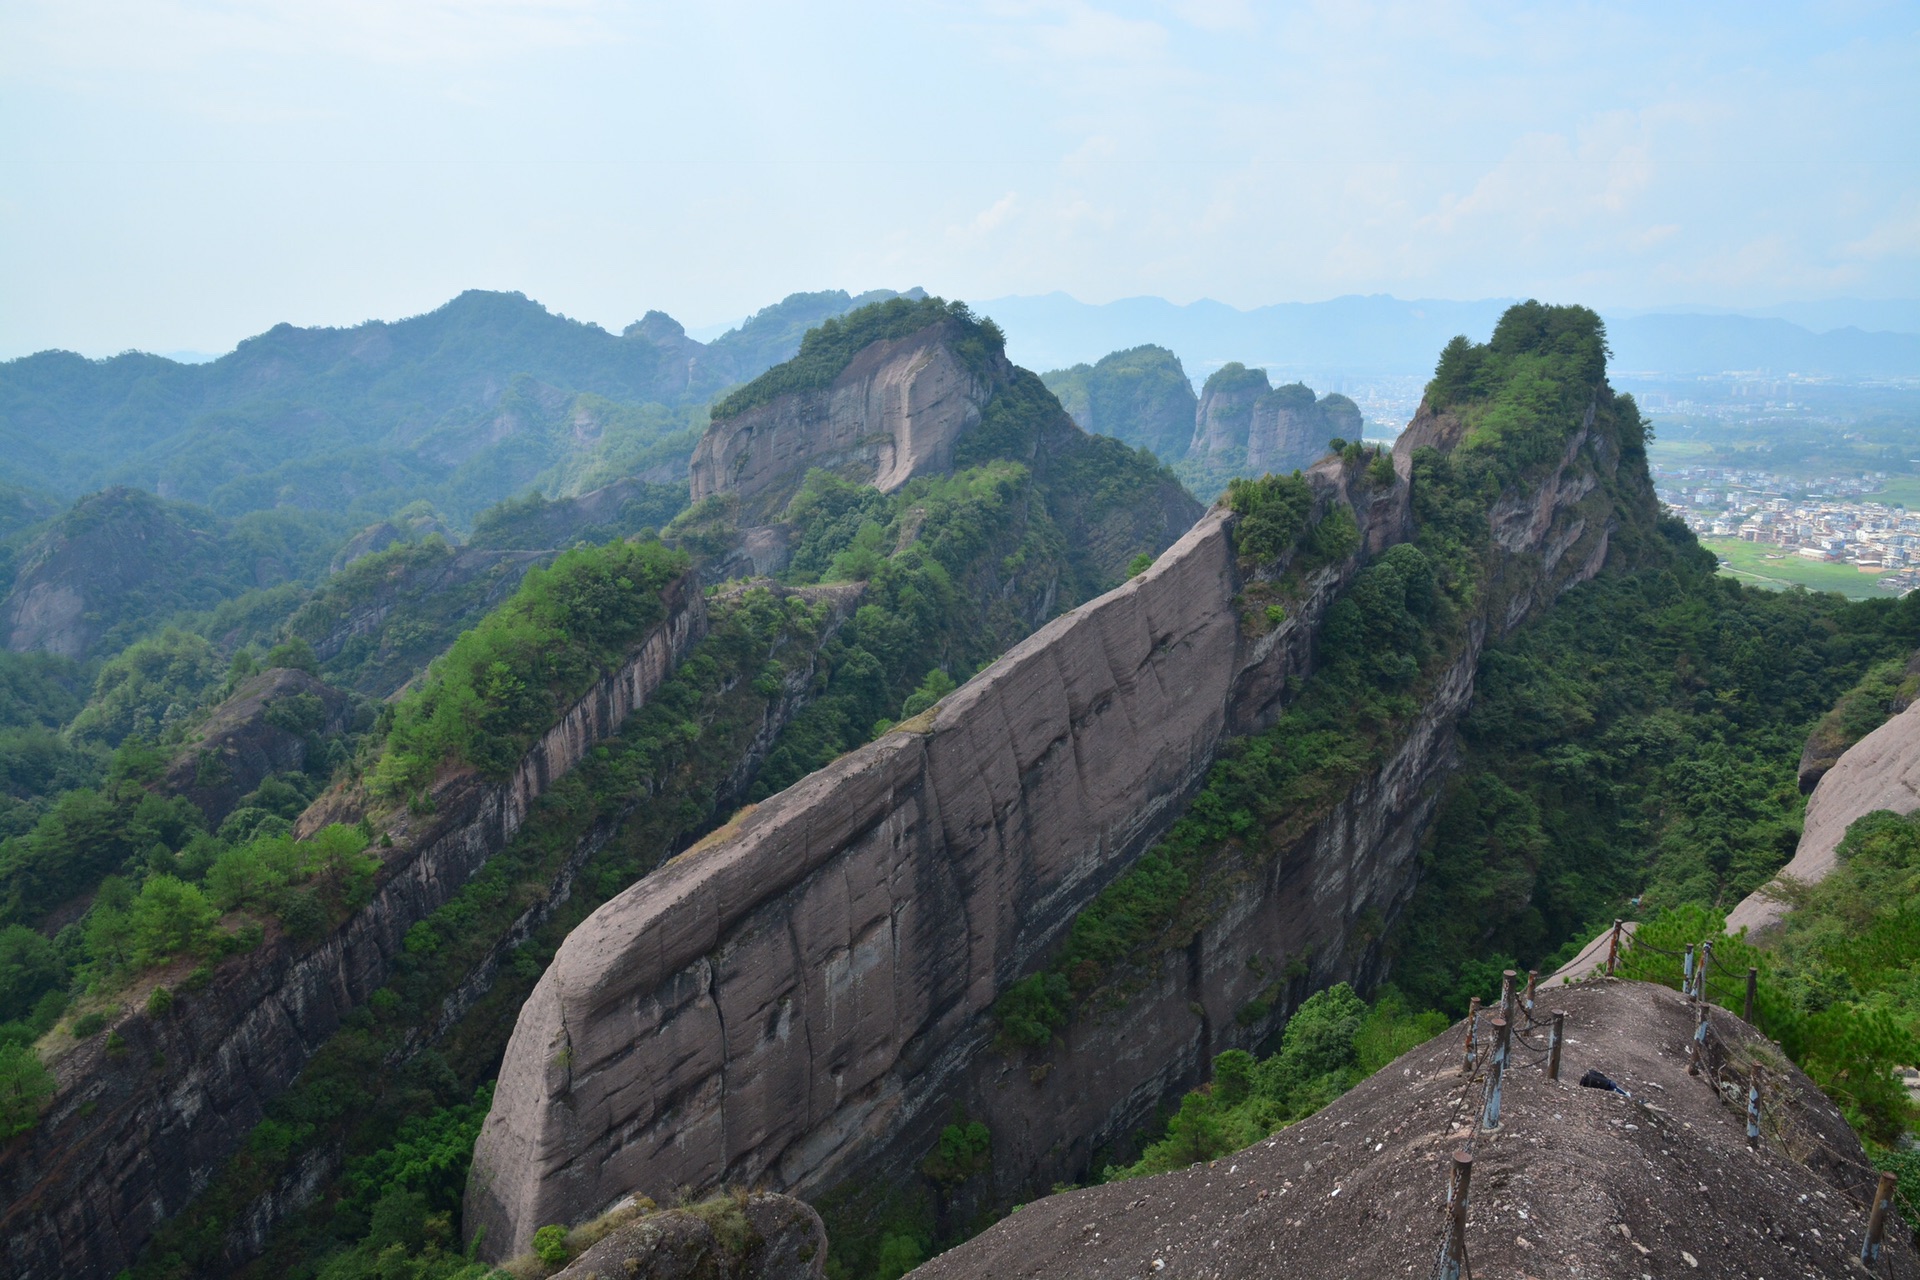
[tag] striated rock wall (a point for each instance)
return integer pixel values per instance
(891, 414)
(134, 1134)
(806, 999)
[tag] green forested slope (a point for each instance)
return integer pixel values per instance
(471, 403)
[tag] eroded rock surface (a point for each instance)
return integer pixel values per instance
(893, 413)
(1881, 771)
(761, 1237)
(806, 998)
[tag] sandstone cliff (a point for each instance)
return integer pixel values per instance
(1140, 395)
(134, 1133)
(893, 413)
(805, 1000)
(1244, 426)
(1881, 771)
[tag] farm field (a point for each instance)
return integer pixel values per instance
(1765, 566)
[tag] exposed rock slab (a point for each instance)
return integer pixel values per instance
(764, 1237)
(807, 996)
(1575, 1182)
(1881, 771)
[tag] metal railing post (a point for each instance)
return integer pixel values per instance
(1473, 1020)
(1872, 1247)
(1613, 946)
(1553, 1043)
(1453, 1249)
(1490, 1119)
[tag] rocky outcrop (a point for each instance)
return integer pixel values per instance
(270, 725)
(893, 413)
(1264, 428)
(806, 999)
(136, 1132)
(757, 1237)
(117, 555)
(1881, 771)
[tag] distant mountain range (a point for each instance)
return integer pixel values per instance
(1382, 335)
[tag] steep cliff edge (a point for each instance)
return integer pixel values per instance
(178, 1089)
(892, 413)
(808, 998)
(1881, 771)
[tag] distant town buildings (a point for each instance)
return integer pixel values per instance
(1819, 519)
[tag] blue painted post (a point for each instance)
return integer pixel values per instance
(1686, 974)
(1753, 1110)
(1871, 1248)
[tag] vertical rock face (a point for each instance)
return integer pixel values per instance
(893, 413)
(806, 999)
(1276, 429)
(1225, 415)
(132, 1136)
(1140, 395)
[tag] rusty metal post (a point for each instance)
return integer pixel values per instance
(1473, 1021)
(1613, 946)
(1526, 1001)
(1553, 1043)
(1453, 1248)
(1496, 1073)
(1508, 980)
(1700, 978)
(1753, 1109)
(1871, 1247)
(1686, 974)
(1753, 991)
(1697, 1051)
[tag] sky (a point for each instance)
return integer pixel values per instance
(178, 174)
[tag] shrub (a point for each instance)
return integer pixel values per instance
(550, 1245)
(89, 1024)
(1272, 510)
(159, 1003)
(25, 1086)
(1030, 1009)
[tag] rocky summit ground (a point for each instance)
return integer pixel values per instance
(1575, 1182)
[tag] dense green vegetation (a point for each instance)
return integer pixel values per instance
(484, 398)
(827, 350)
(1331, 1043)
(1140, 396)
(656, 787)
(504, 682)
(1640, 740)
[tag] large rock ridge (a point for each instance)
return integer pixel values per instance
(133, 1135)
(806, 999)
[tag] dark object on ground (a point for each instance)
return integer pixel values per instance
(1575, 1182)
(756, 1237)
(1594, 1080)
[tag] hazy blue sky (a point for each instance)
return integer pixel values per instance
(180, 173)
